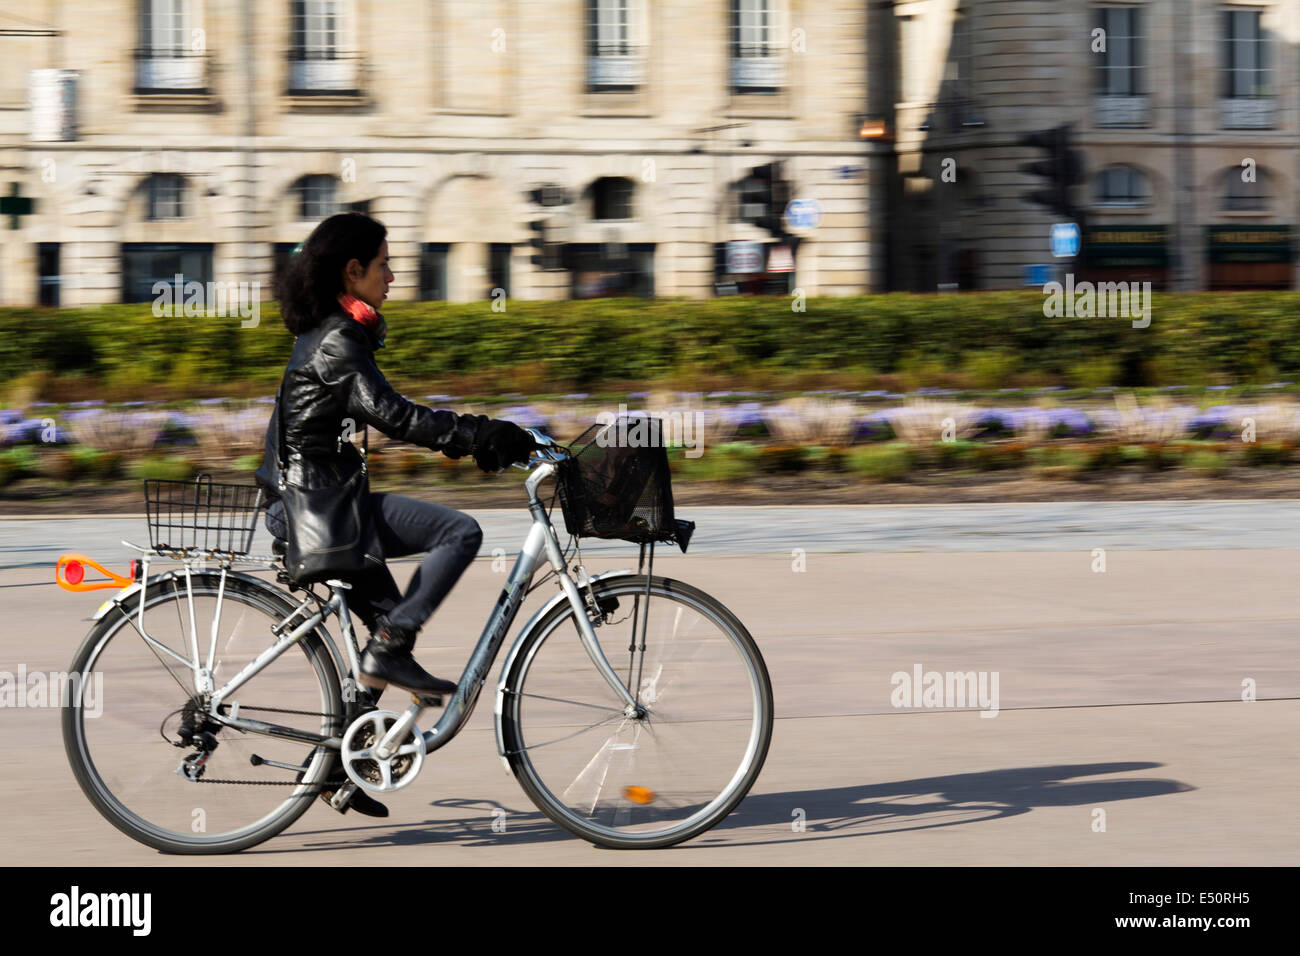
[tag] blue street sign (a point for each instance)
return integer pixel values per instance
(803, 213)
(1065, 239)
(1038, 275)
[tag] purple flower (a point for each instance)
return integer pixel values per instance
(873, 427)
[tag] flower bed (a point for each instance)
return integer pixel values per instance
(723, 437)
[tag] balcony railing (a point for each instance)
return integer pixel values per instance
(328, 73)
(1122, 111)
(614, 72)
(753, 74)
(1248, 112)
(170, 71)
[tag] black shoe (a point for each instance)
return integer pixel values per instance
(387, 660)
(360, 801)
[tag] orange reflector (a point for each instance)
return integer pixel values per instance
(639, 794)
(70, 574)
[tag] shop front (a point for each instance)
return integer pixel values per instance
(1127, 254)
(754, 268)
(1249, 257)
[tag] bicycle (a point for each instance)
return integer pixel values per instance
(643, 756)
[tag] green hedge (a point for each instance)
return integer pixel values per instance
(992, 338)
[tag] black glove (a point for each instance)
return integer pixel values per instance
(501, 443)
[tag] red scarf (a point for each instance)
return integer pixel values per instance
(364, 313)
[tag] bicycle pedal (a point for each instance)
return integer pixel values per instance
(427, 700)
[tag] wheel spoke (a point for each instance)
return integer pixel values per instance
(656, 779)
(129, 774)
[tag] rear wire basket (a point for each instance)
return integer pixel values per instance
(201, 515)
(616, 484)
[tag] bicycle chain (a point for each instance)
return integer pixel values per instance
(273, 783)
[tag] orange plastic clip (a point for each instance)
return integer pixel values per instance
(70, 573)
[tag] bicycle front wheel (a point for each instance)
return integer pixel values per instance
(128, 699)
(673, 771)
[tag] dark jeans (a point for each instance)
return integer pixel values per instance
(407, 526)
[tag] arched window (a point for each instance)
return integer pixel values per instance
(1247, 189)
(317, 197)
(611, 198)
(1123, 187)
(165, 193)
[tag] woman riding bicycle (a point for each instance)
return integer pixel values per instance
(330, 295)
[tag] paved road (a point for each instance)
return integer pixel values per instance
(1118, 691)
(1048, 526)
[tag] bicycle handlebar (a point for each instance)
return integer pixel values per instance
(550, 450)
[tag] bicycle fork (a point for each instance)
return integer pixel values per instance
(541, 544)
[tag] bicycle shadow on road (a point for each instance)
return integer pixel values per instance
(929, 802)
(485, 823)
(834, 813)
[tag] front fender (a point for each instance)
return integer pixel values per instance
(524, 634)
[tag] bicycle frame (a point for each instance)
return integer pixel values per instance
(541, 544)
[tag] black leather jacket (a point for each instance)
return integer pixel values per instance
(332, 377)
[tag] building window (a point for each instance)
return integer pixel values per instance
(611, 198)
(1245, 55)
(166, 196)
(959, 58)
(169, 57)
(146, 263)
(610, 269)
(756, 65)
(320, 59)
(615, 42)
(1122, 187)
(47, 273)
(317, 197)
(1247, 196)
(281, 253)
(1119, 68)
(499, 268)
(433, 271)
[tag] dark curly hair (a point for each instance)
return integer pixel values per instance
(308, 288)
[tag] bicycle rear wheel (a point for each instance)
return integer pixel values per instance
(660, 778)
(124, 707)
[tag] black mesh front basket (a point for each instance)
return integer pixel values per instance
(617, 485)
(201, 515)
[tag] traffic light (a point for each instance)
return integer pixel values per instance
(541, 256)
(1062, 168)
(764, 194)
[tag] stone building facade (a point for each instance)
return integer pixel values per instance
(208, 136)
(1188, 119)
